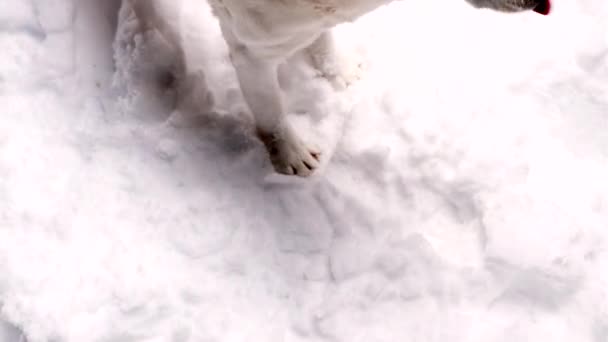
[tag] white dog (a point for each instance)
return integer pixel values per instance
(261, 34)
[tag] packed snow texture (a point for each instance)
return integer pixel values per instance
(463, 194)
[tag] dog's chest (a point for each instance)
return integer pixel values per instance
(287, 24)
(333, 12)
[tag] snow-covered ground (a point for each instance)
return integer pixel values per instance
(463, 196)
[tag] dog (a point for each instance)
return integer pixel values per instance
(262, 34)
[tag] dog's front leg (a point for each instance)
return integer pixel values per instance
(260, 86)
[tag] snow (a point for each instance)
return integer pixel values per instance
(463, 194)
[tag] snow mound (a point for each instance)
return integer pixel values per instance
(462, 197)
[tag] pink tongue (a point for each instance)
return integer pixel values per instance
(543, 8)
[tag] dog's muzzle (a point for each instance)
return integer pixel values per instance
(543, 7)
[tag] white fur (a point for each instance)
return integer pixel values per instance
(262, 34)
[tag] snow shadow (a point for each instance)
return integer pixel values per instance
(10, 333)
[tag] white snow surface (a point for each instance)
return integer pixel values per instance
(463, 194)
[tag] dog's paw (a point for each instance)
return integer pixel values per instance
(340, 71)
(288, 154)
